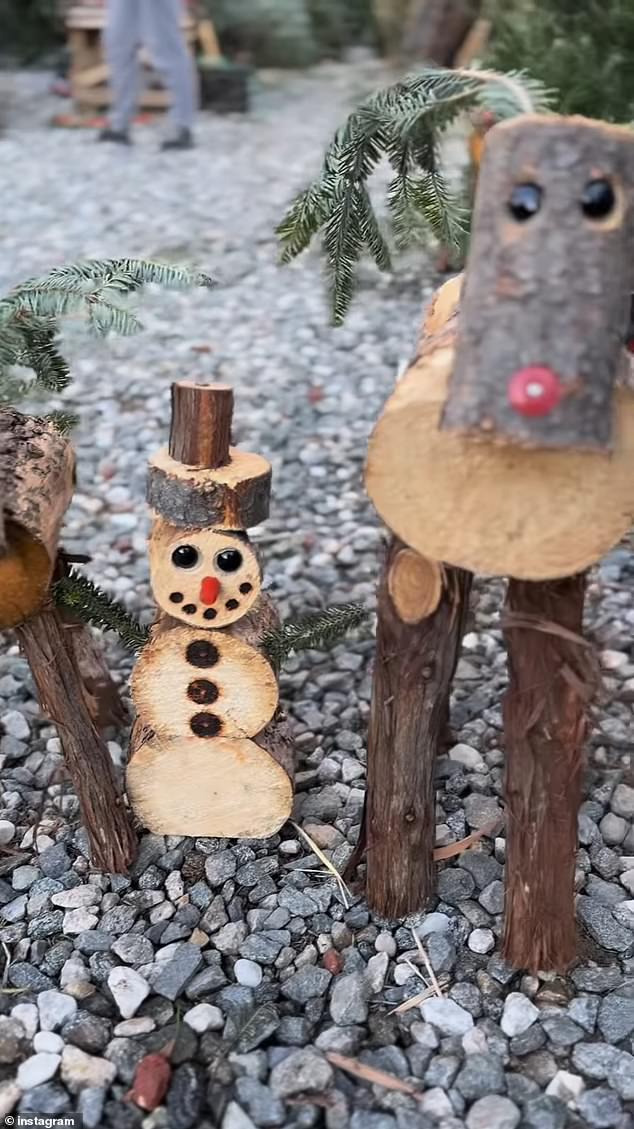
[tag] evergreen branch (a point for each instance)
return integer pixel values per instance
(315, 632)
(63, 422)
(90, 604)
(406, 123)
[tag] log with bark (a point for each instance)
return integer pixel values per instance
(210, 750)
(421, 614)
(552, 679)
(436, 29)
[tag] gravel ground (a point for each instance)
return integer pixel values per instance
(242, 954)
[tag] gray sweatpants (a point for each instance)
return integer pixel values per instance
(155, 25)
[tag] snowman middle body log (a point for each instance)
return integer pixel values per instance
(210, 755)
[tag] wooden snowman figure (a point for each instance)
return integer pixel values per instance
(210, 754)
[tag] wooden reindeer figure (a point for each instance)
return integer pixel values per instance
(210, 754)
(507, 449)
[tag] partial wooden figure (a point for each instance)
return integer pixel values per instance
(37, 477)
(210, 749)
(507, 449)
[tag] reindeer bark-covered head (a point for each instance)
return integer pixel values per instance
(508, 446)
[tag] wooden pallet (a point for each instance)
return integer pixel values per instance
(89, 73)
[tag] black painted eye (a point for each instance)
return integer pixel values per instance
(185, 556)
(597, 199)
(229, 560)
(525, 201)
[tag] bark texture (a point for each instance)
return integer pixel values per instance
(551, 289)
(235, 496)
(200, 434)
(552, 678)
(413, 672)
(59, 686)
(435, 29)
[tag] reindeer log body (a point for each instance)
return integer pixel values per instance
(507, 449)
(210, 751)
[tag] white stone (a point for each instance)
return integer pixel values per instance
(436, 1103)
(7, 831)
(47, 1042)
(55, 1009)
(28, 1016)
(612, 660)
(566, 1086)
(204, 1017)
(128, 988)
(174, 886)
(80, 1070)
(385, 943)
(37, 1069)
(433, 923)
(77, 896)
(493, 1112)
(622, 802)
(474, 1042)
(481, 941)
(402, 973)
(236, 1118)
(247, 972)
(41, 840)
(377, 971)
(10, 1094)
(519, 1014)
(139, 1025)
(468, 756)
(16, 725)
(447, 1016)
(78, 921)
(627, 880)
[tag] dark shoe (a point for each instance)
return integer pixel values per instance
(118, 136)
(181, 140)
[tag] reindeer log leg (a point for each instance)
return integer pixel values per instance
(60, 690)
(551, 681)
(421, 611)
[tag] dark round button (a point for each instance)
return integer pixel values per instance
(202, 692)
(246, 588)
(229, 560)
(525, 201)
(210, 613)
(185, 556)
(176, 597)
(189, 608)
(231, 605)
(205, 725)
(597, 199)
(202, 653)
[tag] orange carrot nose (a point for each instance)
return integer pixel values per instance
(209, 589)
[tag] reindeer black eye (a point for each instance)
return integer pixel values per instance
(229, 560)
(185, 556)
(597, 199)
(525, 201)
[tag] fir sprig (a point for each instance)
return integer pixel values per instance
(96, 291)
(315, 632)
(90, 604)
(406, 123)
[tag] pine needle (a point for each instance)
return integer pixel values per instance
(372, 1075)
(316, 632)
(427, 963)
(90, 604)
(330, 866)
(413, 1001)
(462, 845)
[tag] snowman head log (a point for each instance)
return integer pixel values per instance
(546, 298)
(199, 480)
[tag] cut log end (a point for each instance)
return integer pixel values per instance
(415, 585)
(228, 788)
(25, 572)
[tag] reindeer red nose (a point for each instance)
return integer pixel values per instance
(534, 391)
(209, 589)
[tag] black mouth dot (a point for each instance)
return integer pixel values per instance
(245, 588)
(205, 725)
(210, 613)
(176, 597)
(202, 653)
(189, 608)
(202, 692)
(231, 605)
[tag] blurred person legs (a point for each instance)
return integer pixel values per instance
(122, 39)
(154, 24)
(162, 35)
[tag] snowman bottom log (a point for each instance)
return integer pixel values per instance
(211, 753)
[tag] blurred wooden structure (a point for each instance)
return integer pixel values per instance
(89, 72)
